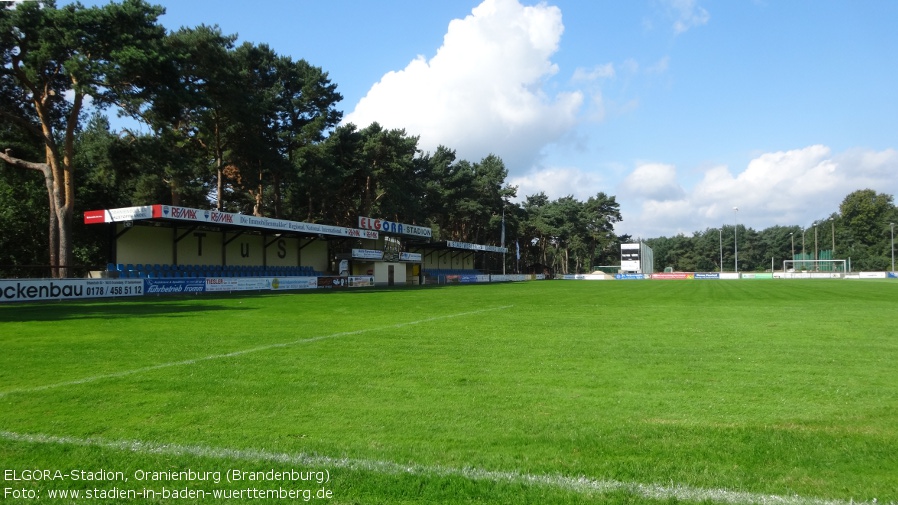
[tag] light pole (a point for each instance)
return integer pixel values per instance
(816, 266)
(833, 222)
(736, 237)
(720, 232)
(792, 236)
(892, 226)
(803, 257)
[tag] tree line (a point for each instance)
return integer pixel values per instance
(861, 230)
(239, 128)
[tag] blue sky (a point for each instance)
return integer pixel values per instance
(682, 109)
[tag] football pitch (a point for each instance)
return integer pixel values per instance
(736, 392)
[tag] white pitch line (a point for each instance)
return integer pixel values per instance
(581, 485)
(192, 361)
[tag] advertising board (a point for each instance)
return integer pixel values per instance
(337, 282)
(762, 275)
(174, 286)
(367, 254)
(22, 290)
(673, 275)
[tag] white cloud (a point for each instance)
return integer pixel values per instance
(654, 182)
(792, 187)
(605, 71)
(483, 91)
(557, 182)
(687, 14)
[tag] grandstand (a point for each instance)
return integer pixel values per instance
(170, 242)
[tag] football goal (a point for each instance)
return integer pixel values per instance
(837, 266)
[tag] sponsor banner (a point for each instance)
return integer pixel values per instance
(413, 257)
(498, 278)
(472, 278)
(893, 275)
(174, 286)
(707, 275)
(582, 277)
(219, 284)
(729, 275)
(116, 215)
(475, 247)
(815, 275)
(355, 281)
(67, 289)
(766, 275)
(361, 281)
(872, 275)
(367, 254)
(370, 223)
(291, 283)
(629, 277)
(215, 217)
(214, 284)
(673, 275)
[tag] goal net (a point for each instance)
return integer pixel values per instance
(811, 265)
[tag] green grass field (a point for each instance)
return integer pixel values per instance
(542, 392)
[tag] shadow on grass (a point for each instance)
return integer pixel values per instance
(112, 309)
(175, 305)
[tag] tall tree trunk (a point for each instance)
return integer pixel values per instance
(52, 198)
(277, 196)
(175, 188)
(257, 208)
(53, 237)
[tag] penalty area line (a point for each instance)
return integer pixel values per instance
(580, 485)
(279, 345)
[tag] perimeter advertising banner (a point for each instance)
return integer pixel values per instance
(23, 290)
(673, 275)
(228, 284)
(174, 286)
(355, 281)
(761, 275)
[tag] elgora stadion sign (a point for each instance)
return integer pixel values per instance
(370, 223)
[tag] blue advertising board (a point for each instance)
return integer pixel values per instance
(170, 286)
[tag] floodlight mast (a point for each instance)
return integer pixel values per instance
(736, 237)
(792, 236)
(720, 232)
(892, 226)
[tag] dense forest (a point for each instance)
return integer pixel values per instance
(244, 129)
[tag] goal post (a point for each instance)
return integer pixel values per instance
(828, 266)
